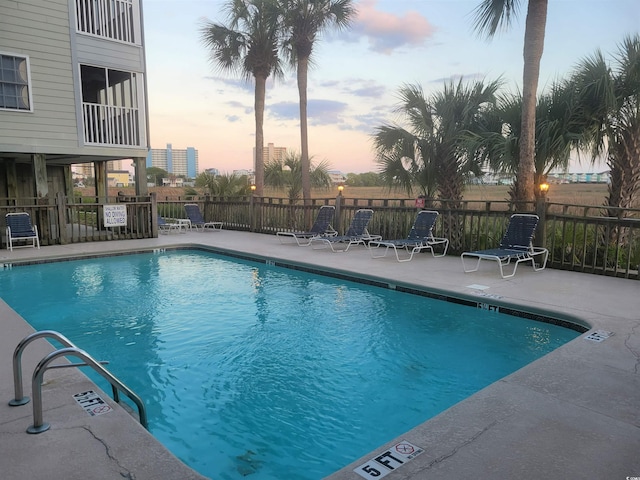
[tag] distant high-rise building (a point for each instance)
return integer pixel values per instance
(177, 162)
(87, 169)
(114, 165)
(270, 152)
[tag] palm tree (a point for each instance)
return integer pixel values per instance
(304, 20)
(429, 153)
(609, 118)
(248, 45)
(490, 15)
(497, 142)
(287, 173)
(226, 185)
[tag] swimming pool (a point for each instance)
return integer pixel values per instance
(252, 369)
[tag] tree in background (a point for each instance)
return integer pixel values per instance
(429, 153)
(156, 175)
(287, 174)
(496, 143)
(249, 46)
(226, 185)
(608, 99)
(303, 21)
(490, 15)
(367, 179)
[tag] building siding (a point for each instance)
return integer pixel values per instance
(96, 51)
(44, 31)
(40, 30)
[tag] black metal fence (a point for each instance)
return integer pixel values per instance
(579, 238)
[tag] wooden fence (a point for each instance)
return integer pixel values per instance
(579, 238)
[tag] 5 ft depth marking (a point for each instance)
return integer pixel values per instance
(388, 461)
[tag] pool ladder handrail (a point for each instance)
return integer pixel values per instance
(36, 383)
(19, 398)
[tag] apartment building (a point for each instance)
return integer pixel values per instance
(72, 91)
(175, 161)
(270, 153)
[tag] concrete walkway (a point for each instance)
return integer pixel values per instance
(573, 414)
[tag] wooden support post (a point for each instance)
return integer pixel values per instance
(140, 165)
(40, 175)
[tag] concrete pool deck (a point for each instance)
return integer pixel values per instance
(575, 413)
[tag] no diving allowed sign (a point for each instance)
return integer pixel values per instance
(115, 215)
(383, 464)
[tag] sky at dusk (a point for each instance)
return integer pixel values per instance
(353, 84)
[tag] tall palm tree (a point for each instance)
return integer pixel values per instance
(304, 20)
(491, 15)
(248, 45)
(609, 116)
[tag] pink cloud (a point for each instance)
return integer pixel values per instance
(387, 31)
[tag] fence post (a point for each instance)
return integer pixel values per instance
(540, 239)
(338, 212)
(154, 215)
(252, 213)
(61, 218)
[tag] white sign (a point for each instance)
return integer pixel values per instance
(92, 403)
(598, 336)
(115, 215)
(385, 463)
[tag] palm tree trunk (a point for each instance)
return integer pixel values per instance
(624, 167)
(303, 66)
(261, 83)
(533, 47)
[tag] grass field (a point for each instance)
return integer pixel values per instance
(568, 193)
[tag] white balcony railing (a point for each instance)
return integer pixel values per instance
(109, 125)
(114, 19)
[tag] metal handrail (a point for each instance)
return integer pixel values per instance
(39, 425)
(19, 398)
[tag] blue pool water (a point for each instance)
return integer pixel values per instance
(251, 370)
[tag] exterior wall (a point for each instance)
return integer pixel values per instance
(45, 32)
(41, 31)
(118, 179)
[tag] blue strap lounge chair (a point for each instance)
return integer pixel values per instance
(516, 246)
(420, 238)
(168, 227)
(19, 228)
(321, 227)
(197, 220)
(357, 233)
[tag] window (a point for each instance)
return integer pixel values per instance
(110, 106)
(15, 93)
(108, 87)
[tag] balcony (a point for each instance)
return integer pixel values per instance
(110, 125)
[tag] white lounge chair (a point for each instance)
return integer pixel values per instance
(321, 227)
(197, 220)
(168, 227)
(420, 238)
(516, 246)
(20, 229)
(356, 234)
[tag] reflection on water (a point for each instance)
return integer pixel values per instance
(254, 370)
